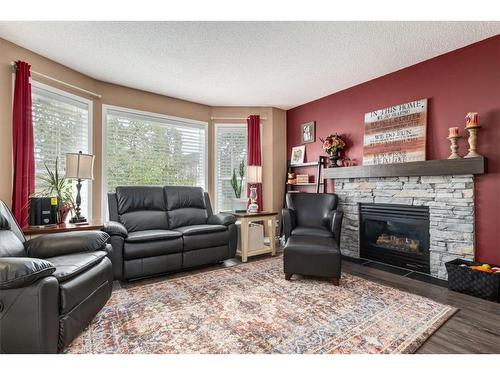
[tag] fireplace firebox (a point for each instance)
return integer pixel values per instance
(395, 234)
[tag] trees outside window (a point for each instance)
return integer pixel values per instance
(145, 149)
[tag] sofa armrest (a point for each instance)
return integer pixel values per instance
(114, 228)
(289, 222)
(222, 219)
(51, 245)
(336, 217)
(21, 272)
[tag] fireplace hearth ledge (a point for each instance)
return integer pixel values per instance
(450, 199)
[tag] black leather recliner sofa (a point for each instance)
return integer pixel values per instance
(156, 230)
(51, 286)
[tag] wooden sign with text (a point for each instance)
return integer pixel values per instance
(396, 134)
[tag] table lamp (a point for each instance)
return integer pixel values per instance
(254, 176)
(81, 167)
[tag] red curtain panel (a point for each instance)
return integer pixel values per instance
(254, 154)
(23, 149)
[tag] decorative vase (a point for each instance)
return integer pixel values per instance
(239, 204)
(62, 213)
(334, 158)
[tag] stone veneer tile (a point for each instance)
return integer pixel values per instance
(451, 209)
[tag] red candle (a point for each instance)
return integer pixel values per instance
(453, 132)
(471, 120)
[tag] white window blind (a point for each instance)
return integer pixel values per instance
(231, 148)
(61, 124)
(145, 149)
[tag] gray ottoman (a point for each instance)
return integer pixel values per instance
(312, 256)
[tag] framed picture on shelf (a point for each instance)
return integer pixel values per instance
(308, 132)
(298, 154)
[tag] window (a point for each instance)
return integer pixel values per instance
(61, 124)
(147, 149)
(231, 148)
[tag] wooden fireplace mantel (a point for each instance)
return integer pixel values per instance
(414, 168)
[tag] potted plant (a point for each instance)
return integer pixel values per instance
(239, 204)
(332, 145)
(60, 187)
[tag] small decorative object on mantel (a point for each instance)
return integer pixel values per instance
(472, 126)
(332, 145)
(298, 154)
(453, 136)
(308, 132)
(348, 162)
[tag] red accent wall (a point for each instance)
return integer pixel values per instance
(461, 81)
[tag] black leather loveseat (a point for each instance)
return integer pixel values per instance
(156, 230)
(51, 286)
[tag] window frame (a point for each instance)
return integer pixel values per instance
(90, 104)
(217, 126)
(108, 107)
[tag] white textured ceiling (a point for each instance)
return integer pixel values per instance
(281, 64)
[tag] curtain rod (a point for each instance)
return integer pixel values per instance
(233, 118)
(59, 81)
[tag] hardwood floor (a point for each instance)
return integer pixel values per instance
(475, 328)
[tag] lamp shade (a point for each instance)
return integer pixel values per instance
(254, 174)
(80, 166)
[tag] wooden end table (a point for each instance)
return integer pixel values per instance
(31, 232)
(245, 219)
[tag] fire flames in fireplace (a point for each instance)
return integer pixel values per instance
(394, 242)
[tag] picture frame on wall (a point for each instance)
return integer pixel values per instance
(298, 154)
(308, 132)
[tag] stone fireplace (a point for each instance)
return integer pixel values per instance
(395, 234)
(448, 199)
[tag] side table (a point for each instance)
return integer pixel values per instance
(245, 219)
(31, 232)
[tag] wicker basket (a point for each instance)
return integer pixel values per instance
(475, 283)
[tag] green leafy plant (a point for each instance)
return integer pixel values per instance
(60, 187)
(234, 181)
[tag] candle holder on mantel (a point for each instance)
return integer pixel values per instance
(473, 130)
(454, 147)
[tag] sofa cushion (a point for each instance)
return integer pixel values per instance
(185, 205)
(152, 235)
(140, 198)
(204, 236)
(142, 207)
(312, 231)
(137, 250)
(68, 266)
(191, 230)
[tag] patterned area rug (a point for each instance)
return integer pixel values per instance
(251, 308)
